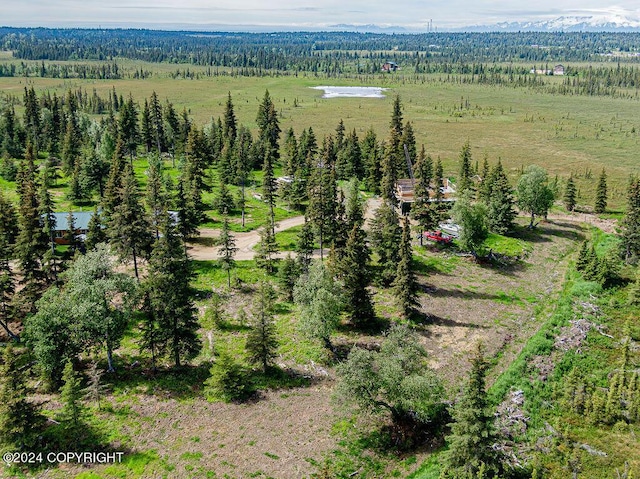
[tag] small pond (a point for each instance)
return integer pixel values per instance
(351, 91)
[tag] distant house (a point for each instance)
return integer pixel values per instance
(557, 70)
(405, 193)
(389, 67)
(81, 222)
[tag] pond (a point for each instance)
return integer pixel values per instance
(351, 91)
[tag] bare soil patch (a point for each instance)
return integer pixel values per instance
(494, 305)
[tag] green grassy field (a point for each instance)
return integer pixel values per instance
(564, 134)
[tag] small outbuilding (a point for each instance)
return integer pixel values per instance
(389, 67)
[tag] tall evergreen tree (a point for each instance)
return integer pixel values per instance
(472, 432)
(423, 210)
(304, 246)
(323, 200)
(31, 243)
(371, 158)
(156, 123)
(19, 418)
(242, 154)
(7, 281)
(171, 297)
(464, 177)
(230, 127)
(32, 118)
(227, 250)
(269, 127)
(96, 233)
(156, 197)
(569, 198)
(262, 341)
(128, 228)
(128, 126)
(71, 415)
(146, 127)
(48, 220)
(112, 189)
(631, 221)
(386, 235)
(601, 193)
(269, 189)
(267, 248)
(352, 269)
(500, 201)
(405, 284)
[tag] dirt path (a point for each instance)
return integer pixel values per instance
(245, 242)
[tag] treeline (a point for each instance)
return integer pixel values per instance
(289, 51)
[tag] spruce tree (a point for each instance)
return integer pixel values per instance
(7, 280)
(31, 243)
(405, 284)
(269, 128)
(128, 126)
(583, 256)
(500, 202)
(227, 250)
(371, 159)
(385, 235)
(111, 196)
(71, 415)
(223, 201)
(48, 220)
(464, 176)
(288, 274)
(156, 197)
(262, 341)
(243, 165)
(230, 128)
(128, 228)
(472, 431)
(423, 210)
(304, 246)
(353, 271)
(269, 189)
(601, 193)
(631, 221)
(569, 198)
(267, 248)
(19, 418)
(171, 297)
(96, 233)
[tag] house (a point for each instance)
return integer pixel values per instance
(558, 70)
(81, 221)
(389, 67)
(405, 193)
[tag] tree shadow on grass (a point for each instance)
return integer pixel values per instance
(432, 319)
(185, 382)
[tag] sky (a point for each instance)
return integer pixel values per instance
(297, 14)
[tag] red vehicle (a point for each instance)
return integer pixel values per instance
(438, 237)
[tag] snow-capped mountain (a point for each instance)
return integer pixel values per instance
(591, 23)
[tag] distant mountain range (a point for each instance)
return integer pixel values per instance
(592, 23)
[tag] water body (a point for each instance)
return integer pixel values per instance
(351, 91)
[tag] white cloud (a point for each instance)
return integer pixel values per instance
(297, 12)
